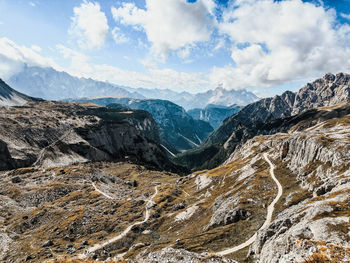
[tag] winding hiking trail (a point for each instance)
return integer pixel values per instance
(125, 232)
(102, 193)
(270, 210)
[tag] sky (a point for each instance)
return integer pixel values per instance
(263, 46)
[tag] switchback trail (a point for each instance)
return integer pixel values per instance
(125, 232)
(270, 210)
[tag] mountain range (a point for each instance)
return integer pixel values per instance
(235, 130)
(50, 84)
(218, 96)
(178, 130)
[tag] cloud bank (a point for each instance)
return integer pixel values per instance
(89, 25)
(168, 24)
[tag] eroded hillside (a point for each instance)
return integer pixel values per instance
(55, 134)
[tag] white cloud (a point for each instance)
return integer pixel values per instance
(168, 24)
(32, 4)
(36, 48)
(346, 16)
(89, 25)
(184, 52)
(1, 23)
(276, 42)
(13, 57)
(79, 62)
(154, 77)
(118, 36)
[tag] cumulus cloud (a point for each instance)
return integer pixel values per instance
(81, 66)
(13, 57)
(153, 78)
(89, 25)
(118, 36)
(79, 62)
(276, 42)
(346, 16)
(168, 24)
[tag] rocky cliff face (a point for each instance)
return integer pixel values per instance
(178, 130)
(55, 134)
(328, 91)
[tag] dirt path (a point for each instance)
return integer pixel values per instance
(102, 193)
(270, 210)
(125, 232)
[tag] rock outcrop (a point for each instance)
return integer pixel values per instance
(327, 91)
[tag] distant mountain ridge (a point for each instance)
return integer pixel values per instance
(235, 130)
(214, 114)
(51, 84)
(218, 96)
(178, 130)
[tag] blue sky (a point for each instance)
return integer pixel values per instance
(263, 46)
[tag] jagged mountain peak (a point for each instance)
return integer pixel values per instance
(326, 91)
